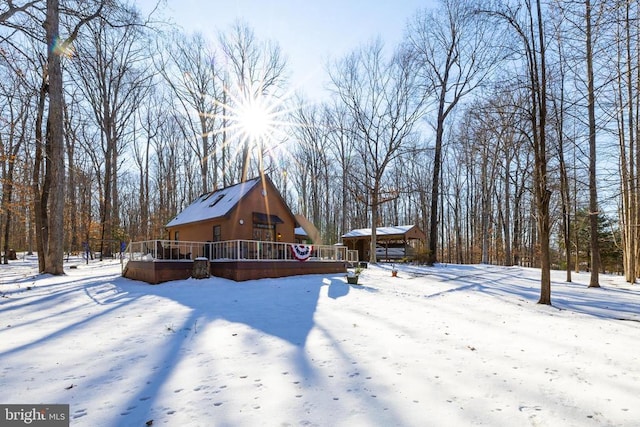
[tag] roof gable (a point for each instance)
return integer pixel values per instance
(215, 204)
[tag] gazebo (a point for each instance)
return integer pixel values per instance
(392, 243)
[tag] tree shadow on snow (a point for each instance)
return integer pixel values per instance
(610, 303)
(282, 308)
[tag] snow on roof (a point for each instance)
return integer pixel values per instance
(213, 205)
(380, 231)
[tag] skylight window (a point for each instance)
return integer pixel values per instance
(217, 199)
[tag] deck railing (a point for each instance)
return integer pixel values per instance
(240, 250)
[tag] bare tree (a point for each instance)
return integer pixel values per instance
(10, 8)
(71, 125)
(151, 118)
(593, 189)
(112, 70)
(626, 103)
(453, 48)
(22, 18)
(197, 84)
(529, 28)
(55, 144)
(491, 133)
(256, 71)
(380, 96)
(311, 160)
(559, 108)
(487, 134)
(15, 103)
(341, 144)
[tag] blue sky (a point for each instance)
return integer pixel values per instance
(309, 32)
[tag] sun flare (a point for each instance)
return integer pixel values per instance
(255, 119)
(258, 120)
(256, 126)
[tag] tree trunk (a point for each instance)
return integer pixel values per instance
(635, 254)
(204, 162)
(543, 195)
(115, 191)
(374, 221)
(593, 192)
(71, 188)
(7, 179)
(54, 256)
(39, 195)
(432, 256)
(106, 206)
(484, 205)
(508, 256)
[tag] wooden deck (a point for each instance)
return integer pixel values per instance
(159, 271)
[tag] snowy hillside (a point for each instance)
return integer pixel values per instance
(442, 346)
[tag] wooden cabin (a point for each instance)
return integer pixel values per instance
(252, 210)
(244, 232)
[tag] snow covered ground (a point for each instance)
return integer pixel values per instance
(443, 346)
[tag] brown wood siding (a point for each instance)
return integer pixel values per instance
(158, 272)
(415, 233)
(251, 270)
(272, 204)
(197, 232)
(231, 226)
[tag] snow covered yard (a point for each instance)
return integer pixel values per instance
(442, 346)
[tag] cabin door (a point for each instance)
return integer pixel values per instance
(263, 233)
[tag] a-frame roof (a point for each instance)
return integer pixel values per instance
(215, 204)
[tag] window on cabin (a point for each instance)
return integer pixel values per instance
(217, 233)
(264, 226)
(264, 232)
(176, 236)
(216, 200)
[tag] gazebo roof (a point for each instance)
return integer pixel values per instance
(389, 232)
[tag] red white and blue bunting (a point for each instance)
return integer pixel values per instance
(301, 252)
